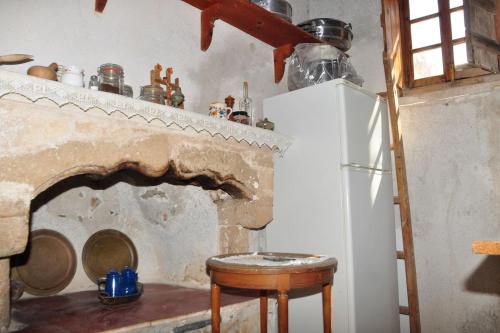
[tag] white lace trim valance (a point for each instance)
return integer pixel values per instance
(34, 88)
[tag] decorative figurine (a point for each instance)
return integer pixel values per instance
(178, 98)
(174, 96)
(229, 100)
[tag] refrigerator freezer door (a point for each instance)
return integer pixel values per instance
(364, 129)
(371, 251)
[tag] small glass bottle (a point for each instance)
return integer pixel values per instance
(111, 78)
(245, 104)
(94, 83)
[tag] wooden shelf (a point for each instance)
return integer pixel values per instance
(255, 21)
(486, 247)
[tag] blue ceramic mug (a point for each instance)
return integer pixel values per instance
(129, 281)
(113, 286)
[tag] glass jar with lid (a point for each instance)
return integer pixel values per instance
(154, 94)
(111, 78)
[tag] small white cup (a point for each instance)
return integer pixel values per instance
(73, 76)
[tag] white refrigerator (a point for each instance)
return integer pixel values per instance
(334, 195)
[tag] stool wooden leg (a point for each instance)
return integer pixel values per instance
(215, 303)
(263, 311)
(283, 311)
(327, 308)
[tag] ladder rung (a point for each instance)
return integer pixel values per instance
(400, 255)
(404, 310)
(396, 200)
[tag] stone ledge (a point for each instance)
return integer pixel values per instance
(162, 308)
(35, 89)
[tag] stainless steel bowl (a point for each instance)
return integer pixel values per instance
(334, 32)
(280, 8)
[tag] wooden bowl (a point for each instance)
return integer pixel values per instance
(44, 72)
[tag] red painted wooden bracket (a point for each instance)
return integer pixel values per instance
(208, 18)
(280, 55)
(100, 5)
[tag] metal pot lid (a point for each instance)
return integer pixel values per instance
(281, 8)
(108, 250)
(321, 24)
(47, 266)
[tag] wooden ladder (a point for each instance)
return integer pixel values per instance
(391, 24)
(402, 200)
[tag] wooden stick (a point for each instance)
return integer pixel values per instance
(9, 58)
(486, 247)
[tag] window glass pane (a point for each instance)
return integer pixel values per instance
(456, 3)
(425, 33)
(459, 54)
(427, 63)
(457, 24)
(419, 8)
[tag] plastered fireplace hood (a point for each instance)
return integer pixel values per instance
(50, 131)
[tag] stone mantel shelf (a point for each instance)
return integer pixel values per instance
(34, 89)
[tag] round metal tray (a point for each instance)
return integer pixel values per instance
(108, 250)
(107, 300)
(47, 266)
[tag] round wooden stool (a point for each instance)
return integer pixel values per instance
(266, 271)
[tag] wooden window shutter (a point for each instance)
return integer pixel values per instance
(481, 26)
(393, 39)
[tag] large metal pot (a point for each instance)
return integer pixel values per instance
(334, 32)
(280, 8)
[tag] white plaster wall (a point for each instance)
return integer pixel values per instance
(452, 148)
(137, 35)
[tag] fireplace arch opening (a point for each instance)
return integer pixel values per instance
(174, 221)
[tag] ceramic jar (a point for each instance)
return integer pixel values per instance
(73, 76)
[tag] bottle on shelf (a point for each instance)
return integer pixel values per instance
(94, 83)
(246, 104)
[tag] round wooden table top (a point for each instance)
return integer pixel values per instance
(270, 263)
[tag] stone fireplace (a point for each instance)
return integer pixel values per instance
(201, 182)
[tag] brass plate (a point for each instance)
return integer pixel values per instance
(108, 250)
(47, 266)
